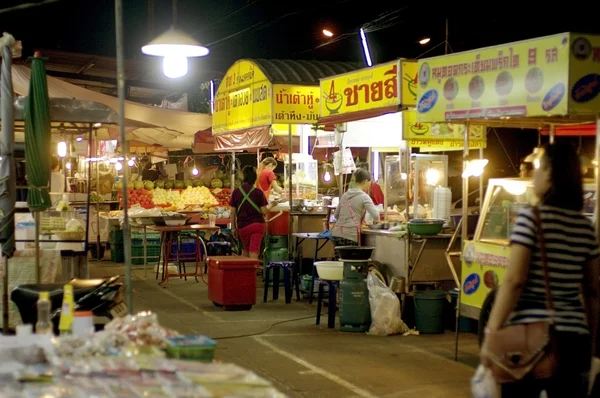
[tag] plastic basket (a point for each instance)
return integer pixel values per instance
(137, 254)
(192, 348)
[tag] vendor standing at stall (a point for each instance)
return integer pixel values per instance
(248, 209)
(373, 190)
(267, 180)
(57, 181)
(351, 210)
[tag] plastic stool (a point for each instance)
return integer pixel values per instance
(332, 301)
(286, 266)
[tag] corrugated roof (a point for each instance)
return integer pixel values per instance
(287, 71)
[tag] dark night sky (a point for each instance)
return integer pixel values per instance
(235, 29)
(292, 29)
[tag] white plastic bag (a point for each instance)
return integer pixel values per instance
(483, 384)
(385, 309)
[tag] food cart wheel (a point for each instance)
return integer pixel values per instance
(484, 314)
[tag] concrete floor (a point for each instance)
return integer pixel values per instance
(305, 360)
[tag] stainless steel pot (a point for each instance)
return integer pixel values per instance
(398, 284)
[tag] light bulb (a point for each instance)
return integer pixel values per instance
(79, 139)
(62, 149)
(131, 163)
(118, 166)
(327, 176)
(68, 165)
(175, 66)
(195, 171)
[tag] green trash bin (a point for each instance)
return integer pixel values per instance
(429, 311)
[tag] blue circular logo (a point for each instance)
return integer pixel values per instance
(471, 284)
(553, 97)
(586, 88)
(427, 101)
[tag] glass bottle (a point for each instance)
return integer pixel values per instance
(43, 324)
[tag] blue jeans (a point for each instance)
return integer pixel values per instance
(572, 375)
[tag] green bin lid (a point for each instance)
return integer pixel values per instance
(430, 294)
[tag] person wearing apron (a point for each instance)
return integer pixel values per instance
(248, 208)
(351, 210)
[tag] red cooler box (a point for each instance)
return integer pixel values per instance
(232, 281)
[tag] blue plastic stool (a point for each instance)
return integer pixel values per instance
(287, 278)
(333, 285)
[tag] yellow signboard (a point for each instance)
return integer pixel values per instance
(243, 99)
(439, 132)
(584, 75)
(527, 78)
(442, 145)
(408, 85)
(365, 89)
(295, 104)
(483, 267)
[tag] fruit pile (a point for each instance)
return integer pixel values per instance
(141, 196)
(222, 195)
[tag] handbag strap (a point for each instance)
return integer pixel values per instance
(544, 259)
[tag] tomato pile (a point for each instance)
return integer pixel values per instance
(223, 195)
(142, 197)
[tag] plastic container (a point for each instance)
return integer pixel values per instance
(43, 324)
(330, 270)
(278, 224)
(442, 203)
(429, 311)
(195, 348)
(83, 323)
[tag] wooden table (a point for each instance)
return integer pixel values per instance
(167, 235)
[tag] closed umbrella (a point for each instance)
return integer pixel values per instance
(37, 146)
(7, 174)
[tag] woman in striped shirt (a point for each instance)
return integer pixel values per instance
(572, 260)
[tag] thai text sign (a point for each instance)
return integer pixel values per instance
(365, 89)
(295, 104)
(584, 75)
(408, 85)
(527, 78)
(436, 133)
(243, 99)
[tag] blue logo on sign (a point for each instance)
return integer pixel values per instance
(471, 284)
(427, 101)
(586, 88)
(553, 97)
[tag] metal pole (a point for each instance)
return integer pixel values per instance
(87, 202)
(232, 170)
(480, 186)
(464, 236)
(97, 193)
(121, 91)
(597, 156)
(290, 188)
(447, 44)
(38, 275)
(551, 134)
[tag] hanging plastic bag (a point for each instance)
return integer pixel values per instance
(343, 162)
(385, 309)
(483, 384)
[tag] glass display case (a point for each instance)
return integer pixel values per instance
(427, 172)
(395, 187)
(504, 199)
(305, 176)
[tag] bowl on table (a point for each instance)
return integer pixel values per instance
(176, 222)
(354, 252)
(426, 226)
(330, 270)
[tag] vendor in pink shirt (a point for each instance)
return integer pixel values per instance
(266, 177)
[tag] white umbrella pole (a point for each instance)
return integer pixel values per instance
(121, 91)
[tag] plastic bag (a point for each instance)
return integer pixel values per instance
(385, 309)
(483, 384)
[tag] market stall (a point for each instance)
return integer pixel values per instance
(544, 82)
(259, 101)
